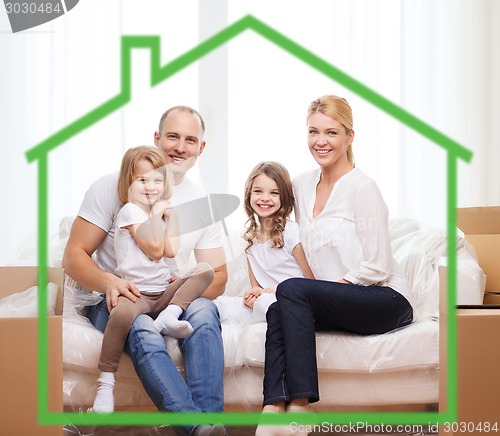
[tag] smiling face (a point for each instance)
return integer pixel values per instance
(328, 140)
(265, 196)
(148, 185)
(180, 139)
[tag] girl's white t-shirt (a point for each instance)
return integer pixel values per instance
(132, 263)
(101, 206)
(272, 265)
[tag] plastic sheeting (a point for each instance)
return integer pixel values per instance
(25, 304)
(420, 250)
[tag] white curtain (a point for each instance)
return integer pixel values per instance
(479, 48)
(438, 60)
(56, 73)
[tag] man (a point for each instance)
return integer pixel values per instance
(180, 137)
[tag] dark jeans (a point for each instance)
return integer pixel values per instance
(305, 306)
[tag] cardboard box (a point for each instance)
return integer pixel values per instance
(478, 332)
(491, 299)
(478, 353)
(481, 226)
(478, 329)
(19, 351)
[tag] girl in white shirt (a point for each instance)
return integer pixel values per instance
(146, 232)
(274, 252)
(343, 224)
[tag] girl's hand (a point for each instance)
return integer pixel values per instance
(269, 291)
(161, 207)
(168, 210)
(252, 295)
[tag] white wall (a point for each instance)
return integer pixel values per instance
(440, 61)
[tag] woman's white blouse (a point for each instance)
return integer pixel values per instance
(349, 239)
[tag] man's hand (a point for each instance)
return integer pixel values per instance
(117, 287)
(84, 239)
(216, 258)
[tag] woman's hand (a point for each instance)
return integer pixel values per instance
(252, 295)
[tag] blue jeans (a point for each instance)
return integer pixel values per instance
(305, 306)
(203, 352)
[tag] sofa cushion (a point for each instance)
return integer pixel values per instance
(410, 347)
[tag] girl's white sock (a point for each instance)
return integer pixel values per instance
(105, 399)
(168, 323)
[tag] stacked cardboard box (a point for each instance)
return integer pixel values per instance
(478, 327)
(481, 226)
(19, 351)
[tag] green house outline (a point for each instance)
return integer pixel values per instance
(160, 73)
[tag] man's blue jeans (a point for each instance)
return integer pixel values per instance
(203, 352)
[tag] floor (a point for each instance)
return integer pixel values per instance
(143, 431)
(231, 431)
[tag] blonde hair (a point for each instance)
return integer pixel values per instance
(128, 169)
(338, 109)
(280, 175)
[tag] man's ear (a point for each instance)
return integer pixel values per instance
(202, 147)
(157, 138)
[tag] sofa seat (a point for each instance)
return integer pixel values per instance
(410, 352)
(397, 369)
(416, 346)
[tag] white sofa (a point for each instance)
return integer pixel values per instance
(394, 371)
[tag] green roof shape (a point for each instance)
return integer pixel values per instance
(160, 73)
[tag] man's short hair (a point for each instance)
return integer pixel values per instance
(182, 109)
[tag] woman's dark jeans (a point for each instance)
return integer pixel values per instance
(305, 306)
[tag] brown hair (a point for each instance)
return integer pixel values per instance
(128, 169)
(338, 109)
(280, 175)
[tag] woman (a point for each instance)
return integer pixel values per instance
(358, 287)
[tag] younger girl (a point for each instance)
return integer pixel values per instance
(146, 231)
(274, 252)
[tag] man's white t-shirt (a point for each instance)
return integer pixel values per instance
(133, 264)
(272, 265)
(101, 204)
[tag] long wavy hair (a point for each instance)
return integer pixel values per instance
(277, 223)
